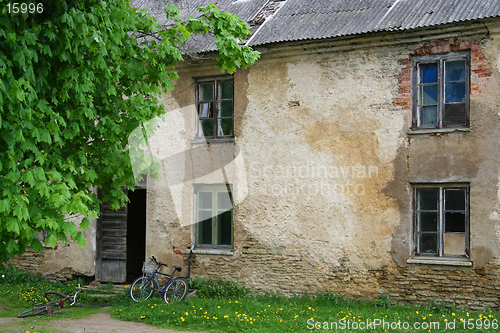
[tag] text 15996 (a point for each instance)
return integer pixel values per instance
(15, 8)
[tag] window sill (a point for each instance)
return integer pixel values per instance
(420, 131)
(198, 141)
(228, 252)
(440, 261)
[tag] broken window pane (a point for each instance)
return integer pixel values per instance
(441, 212)
(429, 73)
(454, 222)
(215, 108)
(454, 70)
(428, 243)
(454, 92)
(441, 97)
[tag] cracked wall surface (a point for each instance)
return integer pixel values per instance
(328, 163)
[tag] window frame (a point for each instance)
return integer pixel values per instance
(417, 61)
(214, 188)
(215, 102)
(441, 227)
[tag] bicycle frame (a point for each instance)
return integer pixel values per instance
(155, 274)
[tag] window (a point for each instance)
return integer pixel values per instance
(214, 102)
(441, 90)
(214, 216)
(441, 221)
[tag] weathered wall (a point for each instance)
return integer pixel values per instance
(329, 162)
(325, 164)
(64, 261)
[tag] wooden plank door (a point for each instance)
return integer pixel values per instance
(111, 256)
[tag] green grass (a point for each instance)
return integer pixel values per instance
(225, 306)
(298, 314)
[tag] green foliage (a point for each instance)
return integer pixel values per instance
(75, 81)
(218, 288)
(12, 276)
(383, 301)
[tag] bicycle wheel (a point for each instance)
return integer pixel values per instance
(176, 291)
(39, 310)
(142, 288)
(54, 296)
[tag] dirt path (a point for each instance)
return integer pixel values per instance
(96, 323)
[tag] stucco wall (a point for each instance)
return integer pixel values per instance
(329, 163)
(323, 162)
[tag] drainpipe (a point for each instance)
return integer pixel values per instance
(194, 237)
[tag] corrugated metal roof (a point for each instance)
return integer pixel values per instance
(318, 19)
(245, 9)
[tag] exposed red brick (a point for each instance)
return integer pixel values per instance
(480, 68)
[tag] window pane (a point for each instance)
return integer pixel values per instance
(205, 200)
(207, 126)
(226, 89)
(205, 227)
(224, 201)
(430, 94)
(428, 199)
(224, 225)
(454, 70)
(205, 110)
(429, 116)
(429, 73)
(428, 243)
(454, 222)
(455, 114)
(225, 126)
(428, 221)
(226, 109)
(454, 92)
(206, 91)
(454, 199)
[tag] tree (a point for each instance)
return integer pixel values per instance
(76, 78)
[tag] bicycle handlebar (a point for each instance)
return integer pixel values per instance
(153, 259)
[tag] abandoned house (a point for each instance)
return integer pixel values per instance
(359, 155)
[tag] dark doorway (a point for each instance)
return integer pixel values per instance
(136, 233)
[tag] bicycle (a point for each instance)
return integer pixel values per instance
(175, 289)
(55, 299)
